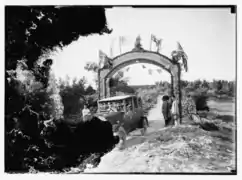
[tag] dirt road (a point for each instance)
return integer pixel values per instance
(156, 122)
(134, 139)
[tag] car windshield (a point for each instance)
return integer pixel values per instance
(111, 106)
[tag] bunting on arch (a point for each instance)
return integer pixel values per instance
(120, 74)
(150, 71)
(159, 71)
(127, 69)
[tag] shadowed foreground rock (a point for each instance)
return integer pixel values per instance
(72, 141)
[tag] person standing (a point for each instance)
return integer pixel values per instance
(174, 111)
(121, 133)
(166, 110)
(86, 113)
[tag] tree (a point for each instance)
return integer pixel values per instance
(219, 85)
(205, 84)
(91, 66)
(89, 90)
(197, 84)
(53, 91)
(73, 96)
(32, 32)
(225, 86)
(184, 83)
(231, 88)
(119, 85)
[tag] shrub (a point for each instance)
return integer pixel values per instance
(201, 101)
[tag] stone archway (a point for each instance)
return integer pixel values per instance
(141, 56)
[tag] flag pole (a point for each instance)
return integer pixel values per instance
(159, 47)
(111, 51)
(111, 48)
(120, 45)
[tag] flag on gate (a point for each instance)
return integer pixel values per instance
(153, 38)
(122, 41)
(150, 71)
(143, 66)
(104, 60)
(156, 41)
(121, 74)
(183, 56)
(180, 49)
(159, 70)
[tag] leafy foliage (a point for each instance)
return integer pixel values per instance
(31, 92)
(201, 91)
(34, 30)
(119, 85)
(73, 96)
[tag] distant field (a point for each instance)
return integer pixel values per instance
(223, 107)
(224, 110)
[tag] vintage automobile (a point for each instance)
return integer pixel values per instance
(124, 110)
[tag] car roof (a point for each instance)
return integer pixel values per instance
(114, 98)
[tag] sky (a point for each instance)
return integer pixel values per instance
(207, 35)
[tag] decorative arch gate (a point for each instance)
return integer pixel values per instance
(139, 55)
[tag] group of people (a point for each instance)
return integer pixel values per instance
(170, 110)
(111, 106)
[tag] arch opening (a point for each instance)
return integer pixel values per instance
(134, 57)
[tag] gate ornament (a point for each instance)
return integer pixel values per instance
(104, 61)
(137, 45)
(179, 54)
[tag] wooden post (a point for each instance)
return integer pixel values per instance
(177, 90)
(108, 93)
(180, 95)
(172, 85)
